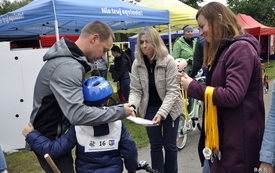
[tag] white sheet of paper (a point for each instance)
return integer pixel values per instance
(142, 121)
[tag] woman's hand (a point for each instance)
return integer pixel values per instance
(157, 119)
(178, 78)
(27, 129)
(184, 80)
(266, 167)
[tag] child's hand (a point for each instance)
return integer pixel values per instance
(27, 129)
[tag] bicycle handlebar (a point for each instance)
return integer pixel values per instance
(145, 166)
(200, 79)
(270, 66)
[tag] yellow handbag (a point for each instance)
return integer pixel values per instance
(115, 86)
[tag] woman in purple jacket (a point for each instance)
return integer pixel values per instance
(234, 70)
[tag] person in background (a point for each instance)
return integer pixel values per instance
(120, 72)
(184, 46)
(156, 94)
(268, 144)
(95, 72)
(102, 66)
(198, 58)
(3, 163)
(128, 51)
(196, 66)
(58, 97)
(234, 78)
(98, 148)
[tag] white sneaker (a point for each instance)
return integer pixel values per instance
(4, 171)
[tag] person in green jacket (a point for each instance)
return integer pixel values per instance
(184, 46)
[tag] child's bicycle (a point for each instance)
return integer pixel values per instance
(194, 118)
(265, 77)
(193, 109)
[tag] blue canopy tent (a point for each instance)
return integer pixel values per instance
(42, 17)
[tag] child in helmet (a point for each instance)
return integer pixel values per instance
(98, 148)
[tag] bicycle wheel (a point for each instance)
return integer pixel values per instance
(182, 134)
(200, 113)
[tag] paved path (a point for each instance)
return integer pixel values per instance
(188, 161)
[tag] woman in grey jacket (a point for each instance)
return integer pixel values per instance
(156, 94)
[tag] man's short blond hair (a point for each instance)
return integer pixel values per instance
(100, 28)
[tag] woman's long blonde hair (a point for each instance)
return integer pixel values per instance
(159, 47)
(223, 24)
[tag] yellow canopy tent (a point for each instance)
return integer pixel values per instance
(180, 13)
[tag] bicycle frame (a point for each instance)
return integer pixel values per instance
(265, 79)
(194, 119)
(194, 114)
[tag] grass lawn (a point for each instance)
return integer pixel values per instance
(25, 161)
(271, 71)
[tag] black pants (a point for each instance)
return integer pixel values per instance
(64, 163)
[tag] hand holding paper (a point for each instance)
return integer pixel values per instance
(142, 121)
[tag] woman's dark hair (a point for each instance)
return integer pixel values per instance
(116, 49)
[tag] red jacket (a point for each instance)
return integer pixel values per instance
(238, 94)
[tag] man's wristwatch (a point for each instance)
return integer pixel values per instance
(132, 105)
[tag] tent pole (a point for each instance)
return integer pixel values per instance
(268, 47)
(170, 39)
(56, 30)
(55, 23)
(40, 45)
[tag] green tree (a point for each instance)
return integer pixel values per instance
(8, 6)
(192, 3)
(261, 10)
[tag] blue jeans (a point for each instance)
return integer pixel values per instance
(3, 164)
(164, 135)
(267, 150)
(206, 166)
(103, 73)
(125, 88)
